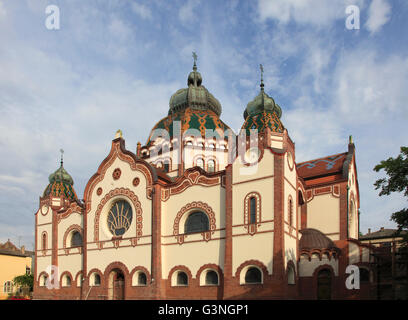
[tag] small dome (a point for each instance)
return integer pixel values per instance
(61, 183)
(314, 239)
(61, 175)
(196, 96)
(262, 102)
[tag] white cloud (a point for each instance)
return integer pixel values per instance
(379, 13)
(186, 12)
(141, 10)
(2, 10)
(314, 12)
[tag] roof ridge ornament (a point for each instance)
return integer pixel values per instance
(62, 156)
(195, 60)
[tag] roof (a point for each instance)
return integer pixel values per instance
(190, 119)
(9, 249)
(314, 239)
(382, 233)
(322, 166)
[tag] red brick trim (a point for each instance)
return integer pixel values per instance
(138, 218)
(101, 275)
(252, 227)
(79, 274)
(118, 151)
(256, 263)
(67, 232)
(61, 277)
(40, 275)
(201, 206)
(73, 208)
(333, 278)
(145, 271)
(181, 268)
(214, 267)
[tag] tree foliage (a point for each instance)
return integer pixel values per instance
(396, 170)
(26, 280)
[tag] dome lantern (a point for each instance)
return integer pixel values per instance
(195, 96)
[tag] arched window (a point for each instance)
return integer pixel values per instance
(200, 163)
(291, 275)
(44, 241)
(66, 281)
(182, 279)
(324, 285)
(364, 275)
(166, 166)
(97, 279)
(211, 165)
(253, 275)
(76, 240)
(197, 222)
(141, 279)
(159, 164)
(290, 212)
(211, 278)
(252, 210)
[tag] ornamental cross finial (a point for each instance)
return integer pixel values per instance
(62, 155)
(262, 71)
(194, 57)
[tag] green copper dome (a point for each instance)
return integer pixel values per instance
(61, 183)
(196, 96)
(262, 112)
(262, 102)
(61, 175)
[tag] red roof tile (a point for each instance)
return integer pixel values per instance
(322, 166)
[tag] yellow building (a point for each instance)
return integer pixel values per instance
(13, 262)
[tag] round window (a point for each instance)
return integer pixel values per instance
(119, 217)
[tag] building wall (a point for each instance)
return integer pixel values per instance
(12, 266)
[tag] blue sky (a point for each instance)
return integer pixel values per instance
(115, 63)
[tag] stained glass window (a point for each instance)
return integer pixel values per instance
(119, 218)
(196, 222)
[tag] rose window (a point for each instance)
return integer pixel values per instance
(119, 218)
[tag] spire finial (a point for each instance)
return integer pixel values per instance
(62, 156)
(262, 71)
(195, 60)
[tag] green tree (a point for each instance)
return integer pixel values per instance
(25, 281)
(397, 181)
